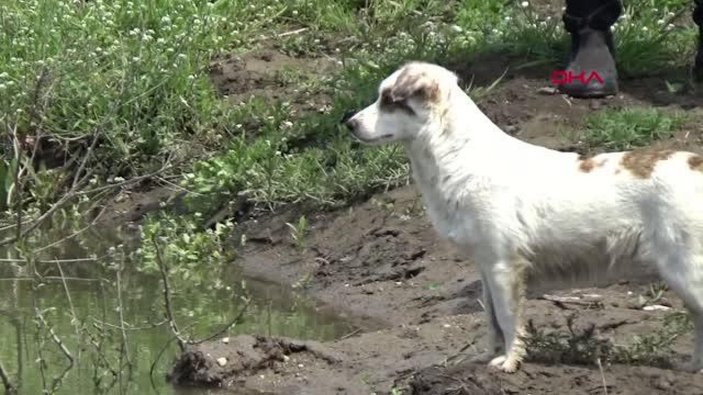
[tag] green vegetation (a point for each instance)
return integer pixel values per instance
(99, 97)
(630, 128)
(585, 347)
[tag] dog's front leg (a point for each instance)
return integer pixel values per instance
(496, 341)
(506, 281)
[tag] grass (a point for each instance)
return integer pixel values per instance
(585, 347)
(629, 128)
(135, 75)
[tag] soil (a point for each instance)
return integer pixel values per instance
(414, 300)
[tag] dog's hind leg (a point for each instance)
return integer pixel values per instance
(506, 281)
(685, 277)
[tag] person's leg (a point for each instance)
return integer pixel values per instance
(592, 51)
(698, 19)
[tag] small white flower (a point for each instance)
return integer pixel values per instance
(660, 22)
(525, 4)
(644, 28)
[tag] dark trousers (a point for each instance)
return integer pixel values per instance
(601, 14)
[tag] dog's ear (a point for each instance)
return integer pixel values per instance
(414, 84)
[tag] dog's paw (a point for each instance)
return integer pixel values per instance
(483, 357)
(497, 361)
(505, 364)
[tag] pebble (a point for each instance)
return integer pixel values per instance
(656, 307)
(222, 361)
(225, 340)
(548, 90)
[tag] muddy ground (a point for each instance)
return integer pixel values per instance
(414, 299)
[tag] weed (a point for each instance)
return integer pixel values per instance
(585, 347)
(656, 291)
(631, 127)
(186, 249)
(576, 347)
(655, 349)
(299, 231)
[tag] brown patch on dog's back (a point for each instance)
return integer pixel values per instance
(587, 165)
(588, 162)
(696, 162)
(641, 162)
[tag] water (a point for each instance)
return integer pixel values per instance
(73, 319)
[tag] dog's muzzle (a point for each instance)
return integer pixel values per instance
(346, 119)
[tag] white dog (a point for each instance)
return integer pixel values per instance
(523, 212)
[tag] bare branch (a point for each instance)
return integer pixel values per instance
(55, 337)
(6, 382)
(163, 268)
(74, 317)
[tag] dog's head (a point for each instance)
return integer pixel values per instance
(408, 101)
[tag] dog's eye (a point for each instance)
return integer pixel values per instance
(386, 100)
(388, 104)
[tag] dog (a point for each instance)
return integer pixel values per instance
(521, 211)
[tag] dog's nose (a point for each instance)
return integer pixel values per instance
(348, 121)
(351, 124)
(347, 116)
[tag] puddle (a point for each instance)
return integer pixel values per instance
(83, 300)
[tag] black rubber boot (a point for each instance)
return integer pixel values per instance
(592, 71)
(698, 19)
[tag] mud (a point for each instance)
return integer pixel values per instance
(416, 301)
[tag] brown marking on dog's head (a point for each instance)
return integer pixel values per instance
(413, 82)
(641, 162)
(696, 162)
